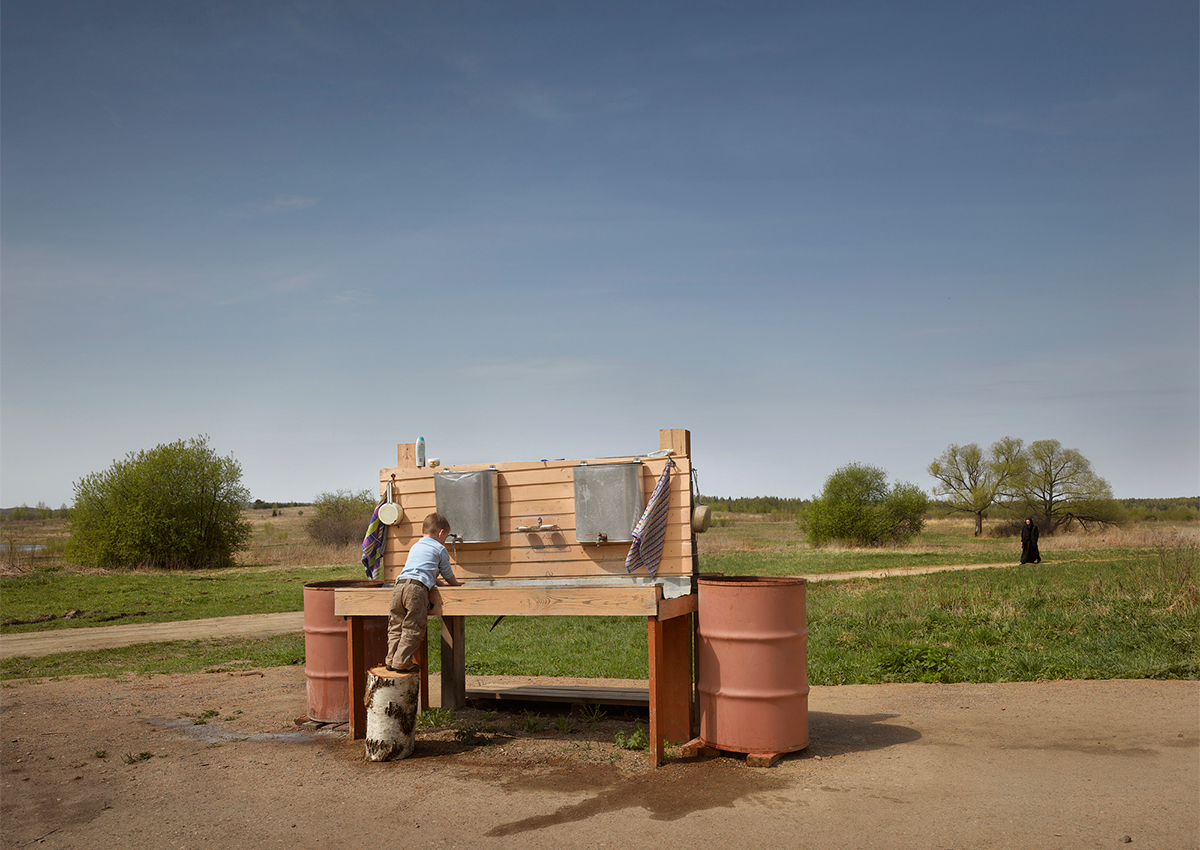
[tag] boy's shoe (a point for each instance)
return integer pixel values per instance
(412, 668)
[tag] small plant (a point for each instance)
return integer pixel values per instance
(635, 740)
(592, 714)
(130, 758)
(532, 722)
(203, 717)
(563, 723)
(431, 718)
(475, 734)
(100, 754)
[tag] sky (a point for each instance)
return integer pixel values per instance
(810, 233)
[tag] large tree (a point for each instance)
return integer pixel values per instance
(1059, 485)
(176, 505)
(859, 508)
(972, 480)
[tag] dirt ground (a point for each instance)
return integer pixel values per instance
(215, 761)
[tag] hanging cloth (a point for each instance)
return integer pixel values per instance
(651, 530)
(375, 541)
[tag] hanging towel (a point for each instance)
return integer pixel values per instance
(374, 542)
(651, 529)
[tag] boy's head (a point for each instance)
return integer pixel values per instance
(436, 526)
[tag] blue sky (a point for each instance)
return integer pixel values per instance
(810, 233)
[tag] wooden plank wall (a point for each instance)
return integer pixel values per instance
(527, 491)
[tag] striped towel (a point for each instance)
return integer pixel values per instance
(373, 544)
(651, 530)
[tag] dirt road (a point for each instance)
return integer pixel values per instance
(214, 760)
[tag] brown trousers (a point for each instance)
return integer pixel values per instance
(407, 622)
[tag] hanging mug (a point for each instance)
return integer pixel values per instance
(390, 512)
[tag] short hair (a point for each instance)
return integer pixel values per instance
(434, 522)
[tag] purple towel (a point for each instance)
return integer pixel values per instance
(373, 544)
(651, 530)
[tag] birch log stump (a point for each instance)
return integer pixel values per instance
(391, 714)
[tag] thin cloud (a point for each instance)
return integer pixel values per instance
(278, 205)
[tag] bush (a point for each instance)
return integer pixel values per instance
(858, 508)
(341, 518)
(176, 505)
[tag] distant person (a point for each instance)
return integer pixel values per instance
(1029, 547)
(428, 564)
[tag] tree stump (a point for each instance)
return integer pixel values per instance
(391, 701)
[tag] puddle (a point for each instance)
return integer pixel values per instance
(212, 733)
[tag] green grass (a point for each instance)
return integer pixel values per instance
(1111, 606)
(1086, 620)
(145, 659)
(152, 597)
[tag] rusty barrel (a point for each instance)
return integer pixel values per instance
(752, 663)
(326, 667)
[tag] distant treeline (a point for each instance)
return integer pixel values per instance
(41, 511)
(771, 505)
(1184, 509)
(1162, 510)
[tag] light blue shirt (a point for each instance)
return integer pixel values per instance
(426, 559)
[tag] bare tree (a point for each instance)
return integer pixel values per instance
(973, 480)
(1059, 484)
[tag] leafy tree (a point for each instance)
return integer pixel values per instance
(341, 517)
(1059, 485)
(176, 505)
(973, 480)
(858, 507)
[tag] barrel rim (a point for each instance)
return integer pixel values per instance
(345, 582)
(753, 581)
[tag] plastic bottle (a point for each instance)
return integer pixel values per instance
(420, 451)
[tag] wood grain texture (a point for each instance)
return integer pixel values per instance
(528, 491)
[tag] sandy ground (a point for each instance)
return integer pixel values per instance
(215, 761)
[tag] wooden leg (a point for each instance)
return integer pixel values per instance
(454, 662)
(675, 679)
(654, 642)
(356, 669)
(670, 650)
(421, 659)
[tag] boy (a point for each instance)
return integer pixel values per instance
(428, 564)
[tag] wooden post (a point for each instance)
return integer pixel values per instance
(454, 662)
(421, 659)
(391, 714)
(356, 669)
(669, 643)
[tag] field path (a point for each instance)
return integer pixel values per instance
(35, 644)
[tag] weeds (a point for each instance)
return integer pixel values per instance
(130, 758)
(592, 714)
(475, 734)
(635, 740)
(434, 717)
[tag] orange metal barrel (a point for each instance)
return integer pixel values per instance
(752, 663)
(326, 667)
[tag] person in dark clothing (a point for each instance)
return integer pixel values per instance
(1029, 547)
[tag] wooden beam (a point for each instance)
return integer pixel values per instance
(357, 671)
(677, 439)
(454, 663)
(635, 601)
(677, 607)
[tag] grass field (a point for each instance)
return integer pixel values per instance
(1123, 603)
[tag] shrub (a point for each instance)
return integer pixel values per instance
(857, 507)
(341, 518)
(176, 505)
